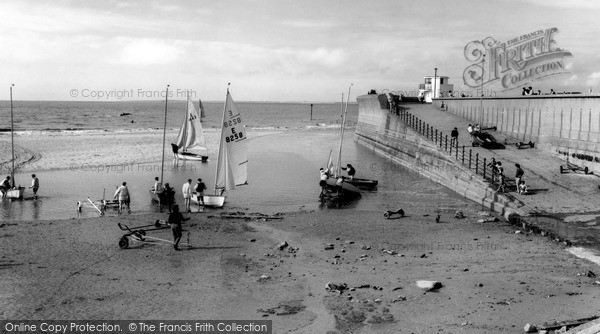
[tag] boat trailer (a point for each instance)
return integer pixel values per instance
(138, 234)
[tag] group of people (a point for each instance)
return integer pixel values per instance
(473, 130)
(499, 177)
(325, 174)
(165, 192)
(6, 185)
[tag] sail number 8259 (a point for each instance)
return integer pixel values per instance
(234, 136)
(232, 122)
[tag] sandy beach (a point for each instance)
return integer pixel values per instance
(68, 149)
(494, 277)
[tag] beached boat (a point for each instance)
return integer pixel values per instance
(190, 143)
(232, 163)
(16, 192)
(350, 186)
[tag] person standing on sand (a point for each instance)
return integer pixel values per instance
(122, 194)
(4, 186)
(518, 177)
(175, 221)
(186, 191)
(199, 189)
(169, 196)
(157, 185)
(35, 185)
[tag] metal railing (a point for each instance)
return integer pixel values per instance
(465, 156)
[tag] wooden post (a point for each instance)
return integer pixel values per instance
(311, 108)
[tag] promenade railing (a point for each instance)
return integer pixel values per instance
(465, 156)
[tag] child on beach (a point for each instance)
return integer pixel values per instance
(4, 186)
(35, 185)
(522, 188)
(175, 221)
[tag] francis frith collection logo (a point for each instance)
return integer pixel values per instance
(516, 62)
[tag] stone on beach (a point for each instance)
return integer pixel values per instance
(429, 285)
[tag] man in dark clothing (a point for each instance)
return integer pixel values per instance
(175, 221)
(518, 176)
(351, 170)
(454, 136)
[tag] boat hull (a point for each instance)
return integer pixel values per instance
(346, 187)
(16, 193)
(191, 156)
(215, 201)
(362, 183)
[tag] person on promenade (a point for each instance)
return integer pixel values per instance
(522, 188)
(35, 185)
(470, 131)
(518, 176)
(122, 194)
(501, 183)
(454, 136)
(351, 170)
(199, 190)
(175, 220)
(186, 191)
(499, 168)
(5, 186)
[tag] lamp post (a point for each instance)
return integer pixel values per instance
(434, 82)
(481, 93)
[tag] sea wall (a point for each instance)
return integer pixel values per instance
(385, 133)
(564, 124)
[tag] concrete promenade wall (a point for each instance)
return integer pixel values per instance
(564, 124)
(383, 132)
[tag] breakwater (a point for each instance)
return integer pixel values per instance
(394, 132)
(567, 124)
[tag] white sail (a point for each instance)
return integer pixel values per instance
(232, 165)
(191, 135)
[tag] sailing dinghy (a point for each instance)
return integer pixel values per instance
(337, 172)
(232, 163)
(13, 192)
(190, 143)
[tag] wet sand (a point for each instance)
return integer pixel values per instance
(493, 279)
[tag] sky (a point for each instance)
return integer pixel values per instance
(270, 50)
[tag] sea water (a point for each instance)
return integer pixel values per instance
(283, 176)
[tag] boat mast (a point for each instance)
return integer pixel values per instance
(221, 145)
(339, 163)
(12, 139)
(164, 135)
